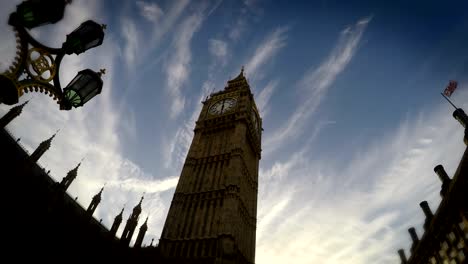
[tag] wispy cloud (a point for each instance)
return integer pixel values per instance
(174, 12)
(249, 11)
(151, 11)
(132, 41)
(219, 50)
(176, 149)
(146, 39)
(316, 82)
(238, 28)
(264, 96)
(178, 65)
(359, 213)
(266, 51)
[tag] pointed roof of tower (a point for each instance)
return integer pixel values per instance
(19, 108)
(239, 81)
(145, 224)
(98, 195)
(120, 215)
(46, 143)
(239, 77)
(138, 206)
(74, 172)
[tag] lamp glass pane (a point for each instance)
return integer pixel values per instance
(73, 97)
(93, 43)
(90, 90)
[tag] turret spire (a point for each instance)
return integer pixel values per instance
(142, 233)
(117, 222)
(240, 82)
(71, 176)
(42, 148)
(95, 202)
(12, 114)
(132, 223)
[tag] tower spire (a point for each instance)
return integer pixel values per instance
(117, 222)
(14, 112)
(42, 148)
(141, 234)
(95, 202)
(71, 176)
(231, 117)
(240, 82)
(132, 223)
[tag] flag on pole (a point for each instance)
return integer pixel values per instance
(450, 88)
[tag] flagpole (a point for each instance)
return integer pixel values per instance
(448, 100)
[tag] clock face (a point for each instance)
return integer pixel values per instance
(222, 106)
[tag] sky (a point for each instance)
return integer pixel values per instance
(349, 94)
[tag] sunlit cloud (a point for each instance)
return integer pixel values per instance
(360, 213)
(151, 11)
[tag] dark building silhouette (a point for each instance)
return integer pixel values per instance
(445, 237)
(142, 233)
(212, 217)
(41, 149)
(132, 223)
(71, 176)
(117, 222)
(94, 202)
(44, 220)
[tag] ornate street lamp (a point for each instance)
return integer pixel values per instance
(37, 65)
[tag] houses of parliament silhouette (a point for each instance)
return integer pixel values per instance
(212, 217)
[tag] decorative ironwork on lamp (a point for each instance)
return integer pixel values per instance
(37, 65)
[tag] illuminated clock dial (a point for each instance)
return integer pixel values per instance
(222, 106)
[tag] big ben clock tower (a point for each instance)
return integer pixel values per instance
(212, 218)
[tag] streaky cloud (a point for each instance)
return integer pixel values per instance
(178, 67)
(316, 81)
(359, 212)
(151, 11)
(267, 49)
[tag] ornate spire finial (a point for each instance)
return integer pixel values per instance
(242, 70)
(56, 132)
(101, 72)
(79, 164)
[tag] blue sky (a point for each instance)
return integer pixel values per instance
(348, 92)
